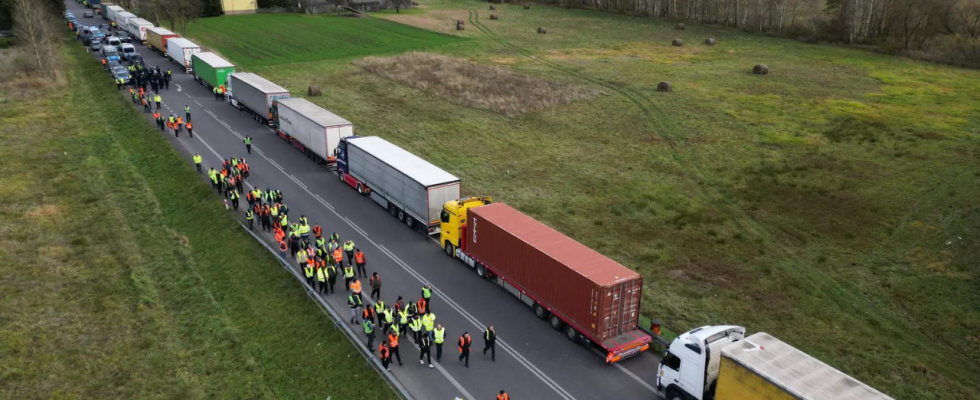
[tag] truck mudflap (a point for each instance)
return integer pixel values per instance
(627, 345)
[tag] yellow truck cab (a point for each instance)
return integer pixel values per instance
(453, 217)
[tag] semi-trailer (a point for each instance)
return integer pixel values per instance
(211, 70)
(156, 39)
(589, 297)
(109, 12)
(137, 28)
(122, 18)
(720, 363)
(179, 51)
(310, 128)
(410, 188)
(254, 95)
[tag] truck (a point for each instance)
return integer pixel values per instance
(313, 130)
(179, 51)
(589, 297)
(156, 39)
(122, 19)
(137, 27)
(109, 12)
(211, 70)
(410, 188)
(720, 363)
(254, 95)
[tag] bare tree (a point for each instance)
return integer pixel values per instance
(178, 13)
(35, 27)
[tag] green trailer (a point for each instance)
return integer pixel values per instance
(211, 70)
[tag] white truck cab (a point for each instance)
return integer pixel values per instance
(689, 369)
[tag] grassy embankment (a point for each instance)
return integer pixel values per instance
(122, 276)
(832, 203)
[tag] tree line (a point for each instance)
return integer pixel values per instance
(946, 31)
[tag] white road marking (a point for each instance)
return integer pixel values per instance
(199, 104)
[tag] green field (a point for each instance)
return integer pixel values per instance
(832, 203)
(123, 277)
(321, 38)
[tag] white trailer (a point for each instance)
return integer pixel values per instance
(122, 18)
(254, 95)
(137, 27)
(410, 188)
(179, 51)
(109, 12)
(311, 129)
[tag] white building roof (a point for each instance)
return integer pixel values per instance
(409, 164)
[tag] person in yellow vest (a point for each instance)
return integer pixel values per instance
(427, 295)
(321, 274)
(301, 260)
(349, 249)
(197, 161)
(402, 320)
(354, 302)
(440, 338)
(389, 319)
(490, 342)
(379, 311)
(429, 323)
(332, 274)
(348, 276)
(416, 326)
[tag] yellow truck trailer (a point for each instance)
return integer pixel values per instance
(720, 363)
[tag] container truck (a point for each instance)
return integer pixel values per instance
(720, 363)
(137, 27)
(156, 39)
(109, 12)
(179, 51)
(122, 19)
(592, 299)
(254, 95)
(410, 188)
(311, 129)
(210, 70)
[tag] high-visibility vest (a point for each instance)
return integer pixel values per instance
(426, 293)
(416, 325)
(504, 396)
(389, 318)
(464, 342)
(349, 246)
(403, 317)
(379, 307)
(421, 306)
(368, 327)
(383, 351)
(440, 335)
(197, 159)
(156, 98)
(356, 286)
(348, 272)
(320, 243)
(353, 301)
(187, 109)
(319, 275)
(249, 215)
(368, 313)
(309, 271)
(331, 271)
(359, 257)
(338, 255)
(317, 231)
(393, 339)
(429, 321)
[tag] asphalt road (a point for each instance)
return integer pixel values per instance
(533, 360)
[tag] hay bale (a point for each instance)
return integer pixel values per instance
(493, 17)
(680, 27)
(760, 69)
(314, 90)
(492, 8)
(665, 87)
(460, 27)
(527, 6)
(541, 30)
(709, 41)
(677, 42)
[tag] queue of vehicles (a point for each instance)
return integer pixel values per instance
(592, 299)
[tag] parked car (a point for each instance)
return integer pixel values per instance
(135, 58)
(127, 50)
(113, 41)
(115, 64)
(121, 72)
(123, 36)
(110, 53)
(95, 44)
(88, 14)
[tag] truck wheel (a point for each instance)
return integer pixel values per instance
(410, 222)
(341, 175)
(540, 311)
(450, 251)
(360, 189)
(481, 270)
(556, 322)
(572, 334)
(401, 215)
(673, 395)
(391, 209)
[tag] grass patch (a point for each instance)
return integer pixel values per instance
(122, 276)
(473, 85)
(288, 38)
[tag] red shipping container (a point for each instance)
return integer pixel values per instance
(589, 291)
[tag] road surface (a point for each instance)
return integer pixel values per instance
(533, 360)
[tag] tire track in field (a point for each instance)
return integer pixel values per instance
(639, 100)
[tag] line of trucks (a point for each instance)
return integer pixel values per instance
(587, 296)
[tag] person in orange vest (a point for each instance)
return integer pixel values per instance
(368, 312)
(146, 105)
(141, 91)
(190, 129)
(420, 306)
(375, 282)
(156, 118)
(360, 261)
(179, 126)
(503, 396)
(356, 286)
(393, 345)
(338, 256)
(384, 355)
(105, 63)
(464, 348)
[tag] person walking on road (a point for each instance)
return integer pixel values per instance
(416, 326)
(402, 320)
(301, 260)
(190, 129)
(197, 162)
(158, 100)
(375, 281)
(369, 332)
(440, 338)
(332, 277)
(393, 346)
(157, 120)
(464, 348)
(146, 104)
(234, 198)
(490, 342)
(354, 302)
(429, 323)
(385, 355)
(187, 112)
(215, 91)
(503, 395)
(368, 313)
(248, 144)
(389, 319)
(427, 295)
(349, 250)
(359, 260)
(379, 313)
(250, 217)
(348, 275)
(425, 350)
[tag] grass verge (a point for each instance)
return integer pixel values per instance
(122, 276)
